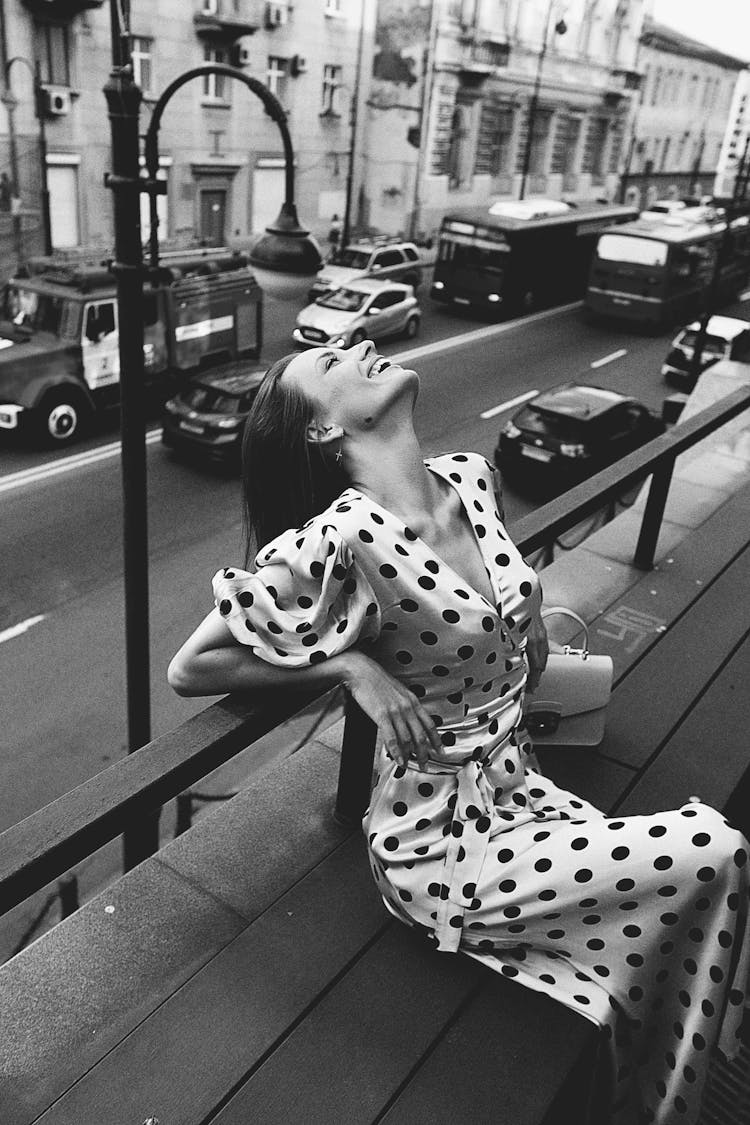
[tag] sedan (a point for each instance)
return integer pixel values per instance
(363, 310)
(208, 414)
(727, 337)
(566, 434)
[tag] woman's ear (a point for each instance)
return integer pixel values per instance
(322, 435)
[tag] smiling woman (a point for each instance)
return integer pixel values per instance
(394, 577)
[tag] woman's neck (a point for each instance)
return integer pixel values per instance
(392, 472)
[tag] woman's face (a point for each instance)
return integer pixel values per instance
(354, 388)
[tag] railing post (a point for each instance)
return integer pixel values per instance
(355, 771)
(652, 517)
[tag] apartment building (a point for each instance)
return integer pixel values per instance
(221, 155)
(683, 124)
(478, 100)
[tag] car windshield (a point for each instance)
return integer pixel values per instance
(210, 400)
(347, 300)
(713, 344)
(628, 248)
(37, 310)
(351, 259)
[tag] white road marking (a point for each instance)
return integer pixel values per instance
(608, 358)
(507, 405)
(22, 627)
(67, 464)
(104, 452)
(744, 296)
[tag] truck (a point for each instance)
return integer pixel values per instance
(59, 357)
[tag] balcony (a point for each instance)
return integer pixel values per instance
(60, 9)
(622, 80)
(219, 21)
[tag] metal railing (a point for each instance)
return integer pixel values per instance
(51, 841)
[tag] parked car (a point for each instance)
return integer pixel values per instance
(363, 310)
(566, 434)
(727, 337)
(387, 259)
(207, 415)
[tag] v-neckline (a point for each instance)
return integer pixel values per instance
(494, 588)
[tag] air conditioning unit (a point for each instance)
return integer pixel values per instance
(56, 101)
(298, 65)
(277, 13)
(240, 54)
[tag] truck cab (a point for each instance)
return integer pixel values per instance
(59, 335)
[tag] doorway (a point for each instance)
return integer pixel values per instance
(213, 213)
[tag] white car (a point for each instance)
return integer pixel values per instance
(363, 310)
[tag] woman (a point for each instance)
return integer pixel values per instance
(394, 577)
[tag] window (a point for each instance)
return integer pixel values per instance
(276, 75)
(53, 54)
(210, 7)
(386, 299)
(334, 7)
(331, 83)
(140, 53)
(493, 141)
(665, 153)
(215, 86)
(387, 258)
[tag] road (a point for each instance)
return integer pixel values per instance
(61, 614)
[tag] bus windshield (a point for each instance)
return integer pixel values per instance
(629, 248)
(474, 257)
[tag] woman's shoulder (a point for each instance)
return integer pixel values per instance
(454, 462)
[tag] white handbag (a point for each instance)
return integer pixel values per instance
(569, 706)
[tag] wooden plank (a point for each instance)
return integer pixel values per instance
(349, 1056)
(707, 754)
(465, 1079)
(662, 687)
(583, 771)
(204, 1039)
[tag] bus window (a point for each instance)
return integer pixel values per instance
(475, 257)
(626, 248)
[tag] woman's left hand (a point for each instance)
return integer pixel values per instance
(537, 651)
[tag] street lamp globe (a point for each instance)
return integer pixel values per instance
(285, 258)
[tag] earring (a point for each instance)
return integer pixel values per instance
(339, 453)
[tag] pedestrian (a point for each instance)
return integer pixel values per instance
(334, 236)
(394, 576)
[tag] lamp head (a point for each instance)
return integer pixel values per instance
(285, 258)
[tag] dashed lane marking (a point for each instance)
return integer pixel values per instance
(507, 405)
(609, 358)
(22, 627)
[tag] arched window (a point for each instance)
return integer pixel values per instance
(587, 25)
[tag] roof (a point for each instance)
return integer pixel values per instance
(578, 400)
(667, 228)
(725, 326)
(372, 284)
(665, 38)
(235, 383)
(576, 213)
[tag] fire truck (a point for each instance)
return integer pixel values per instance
(59, 359)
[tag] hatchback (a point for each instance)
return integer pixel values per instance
(568, 433)
(727, 337)
(363, 310)
(207, 415)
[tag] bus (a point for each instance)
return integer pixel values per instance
(658, 269)
(519, 255)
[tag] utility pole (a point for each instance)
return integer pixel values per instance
(560, 28)
(353, 112)
(739, 195)
(428, 66)
(11, 104)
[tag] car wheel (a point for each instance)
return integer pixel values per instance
(411, 327)
(357, 337)
(62, 418)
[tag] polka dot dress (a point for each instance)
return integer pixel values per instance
(638, 923)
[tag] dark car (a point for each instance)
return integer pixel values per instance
(566, 434)
(208, 414)
(727, 337)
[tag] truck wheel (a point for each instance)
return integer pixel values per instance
(411, 327)
(62, 418)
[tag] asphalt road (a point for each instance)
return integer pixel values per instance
(61, 610)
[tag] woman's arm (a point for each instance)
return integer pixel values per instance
(212, 662)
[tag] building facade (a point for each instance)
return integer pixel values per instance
(221, 155)
(682, 123)
(736, 147)
(518, 98)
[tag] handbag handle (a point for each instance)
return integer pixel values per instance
(555, 609)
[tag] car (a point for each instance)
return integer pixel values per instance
(362, 310)
(727, 337)
(207, 415)
(568, 433)
(387, 259)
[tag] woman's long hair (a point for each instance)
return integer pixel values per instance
(285, 478)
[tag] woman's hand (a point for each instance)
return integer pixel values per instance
(537, 651)
(406, 728)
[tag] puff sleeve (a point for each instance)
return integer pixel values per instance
(307, 600)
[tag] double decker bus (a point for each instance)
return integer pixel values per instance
(518, 255)
(658, 269)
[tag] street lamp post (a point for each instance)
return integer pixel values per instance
(284, 260)
(11, 103)
(560, 28)
(353, 111)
